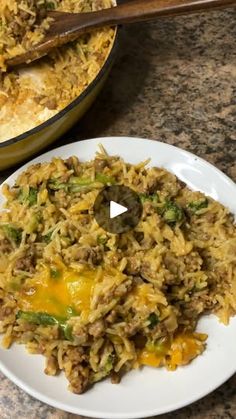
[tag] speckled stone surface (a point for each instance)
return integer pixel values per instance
(173, 81)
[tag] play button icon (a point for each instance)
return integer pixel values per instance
(117, 209)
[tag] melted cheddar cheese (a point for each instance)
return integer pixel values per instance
(55, 290)
(181, 351)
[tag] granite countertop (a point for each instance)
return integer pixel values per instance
(173, 81)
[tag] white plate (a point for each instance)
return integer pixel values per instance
(150, 391)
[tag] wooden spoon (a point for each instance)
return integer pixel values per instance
(66, 27)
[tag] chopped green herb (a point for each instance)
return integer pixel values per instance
(55, 273)
(75, 188)
(159, 347)
(37, 318)
(28, 197)
(106, 180)
(74, 180)
(32, 197)
(102, 240)
(109, 363)
(172, 212)
(196, 206)
(45, 319)
(47, 237)
(12, 233)
(15, 285)
(153, 319)
(66, 241)
(67, 331)
(79, 184)
(152, 198)
(56, 185)
(50, 5)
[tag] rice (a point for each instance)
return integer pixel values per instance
(34, 93)
(97, 304)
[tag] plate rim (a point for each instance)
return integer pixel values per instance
(82, 411)
(117, 138)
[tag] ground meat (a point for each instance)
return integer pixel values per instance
(51, 104)
(41, 348)
(17, 30)
(90, 255)
(54, 332)
(115, 377)
(182, 184)
(24, 15)
(210, 217)
(80, 334)
(51, 366)
(133, 266)
(73, 164)
(97, 328)
(146, 270)
(29, 327)
(42, 13)
(79, 379)
(26, 263)
(153, 185)
(39, 98)
(139, 236)
(5, 311)
(5, 246)
(111, 316)
(131, 328)
(100, 164)
(114, 260)
(85, 220)
(170, 263)
(190, 313)
(75, 355)
(123, 288)
(139, 340)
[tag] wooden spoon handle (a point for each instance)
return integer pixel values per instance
(68, 26)
(137, 11)
(142, 10)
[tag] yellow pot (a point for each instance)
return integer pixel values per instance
(25, 145)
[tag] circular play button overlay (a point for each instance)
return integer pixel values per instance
(117, 209)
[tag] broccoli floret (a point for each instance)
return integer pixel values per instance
(32, 197)
(153, 319)
(67, 331)
(106, 180)
(28, 197)
(47, 237)
(79, 184)
(50, 5)
(102, 240)
(196, 206)
(12, 233)
(46, 319)
(172, 213)
(43, 319)
(152, 198)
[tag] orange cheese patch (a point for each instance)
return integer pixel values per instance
(150, 358)
(57, 289)
(181, 351)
